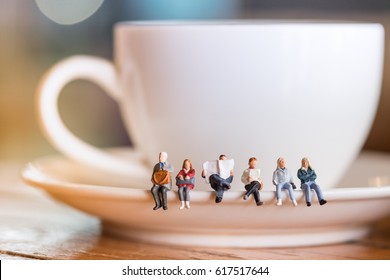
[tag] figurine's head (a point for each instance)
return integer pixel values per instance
(187, 164)
(252, 162)
(281, 163)
(222, 157)
(163, 157)
(305, 163)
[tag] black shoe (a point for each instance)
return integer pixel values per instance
(259, 203)
(218, 199)
(308, 204)
(323, 201)
(245, 197)
(165, 207)
(156, 207)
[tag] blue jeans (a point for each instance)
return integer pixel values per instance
(219, 184)
(284, 186)
(311, 185)
(184, 193)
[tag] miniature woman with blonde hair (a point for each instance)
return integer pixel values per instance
(308, 176)
(282, 179)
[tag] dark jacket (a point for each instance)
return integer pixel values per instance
(306, 175)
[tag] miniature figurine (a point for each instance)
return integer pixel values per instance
(251, 178)
(282, 179)
(185, 181)
(219, 174)
(162, 182)
(307, 175)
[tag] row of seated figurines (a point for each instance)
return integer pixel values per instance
(185, 181)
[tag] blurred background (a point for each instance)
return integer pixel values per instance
(34, 35)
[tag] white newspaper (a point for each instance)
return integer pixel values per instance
(220, 167)
(255, 174)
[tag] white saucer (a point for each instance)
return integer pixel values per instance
(127, 211)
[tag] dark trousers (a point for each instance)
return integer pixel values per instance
(219, 184)
(160, 195)
(253, 188)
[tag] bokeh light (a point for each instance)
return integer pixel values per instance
(68, 11)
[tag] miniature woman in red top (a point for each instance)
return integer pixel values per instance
(185, 181)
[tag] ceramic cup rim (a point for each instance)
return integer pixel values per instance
(241, 23)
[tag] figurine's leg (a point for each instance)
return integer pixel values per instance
(247, 194)
(318, 191)
(164, 191)
(187, 197)
(181, 193)
(226, 182)
(215, 184)
(279, 194)
(291, 193)
(256, 195)
(253, 187)
(156, 197)
(306, 188)
(181, 197)
(220, 192)
(187, 193)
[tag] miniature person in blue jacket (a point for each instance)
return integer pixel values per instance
(308, 176)
(282, 179)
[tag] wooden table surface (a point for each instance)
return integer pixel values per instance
(33, 226)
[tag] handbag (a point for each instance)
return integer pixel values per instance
(161, 177)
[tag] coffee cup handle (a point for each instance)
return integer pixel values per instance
(101, 72)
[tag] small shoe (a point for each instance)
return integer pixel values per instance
(165, 207)
(188, 205)
(181, 207)
(279, 203)
(323, 201)
(295, 202)
(156, 207)
(245, 197)
(227, 186)
(308, 204)
(218, 199)
(259, 203)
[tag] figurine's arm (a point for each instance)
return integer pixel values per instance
(191, 173)
(185, 182)
(313, 175)
(155, 168)
(229, 179)
(245, 177)
(275, 178)
(168, 166)
(303, 176)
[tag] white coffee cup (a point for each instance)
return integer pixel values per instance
(240, 88)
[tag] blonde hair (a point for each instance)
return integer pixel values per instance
(308, 163)
(278, 161)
